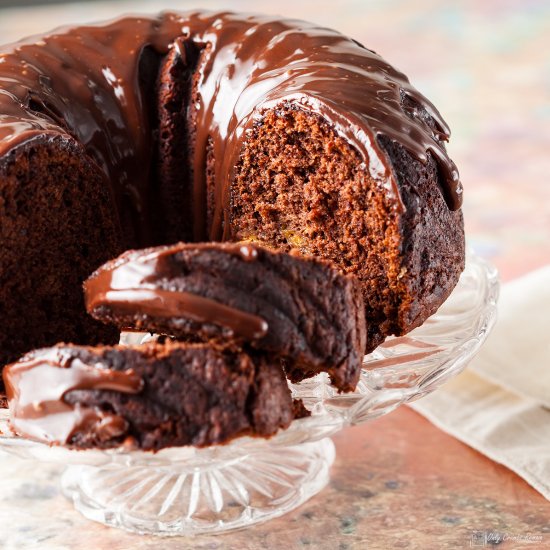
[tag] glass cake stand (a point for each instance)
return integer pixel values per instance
(188, 491)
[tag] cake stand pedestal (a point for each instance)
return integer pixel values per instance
(190, 496)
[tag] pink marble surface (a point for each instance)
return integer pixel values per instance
(398, 482)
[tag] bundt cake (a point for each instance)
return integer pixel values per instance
(301, 310)
(216, 126)
(173, 394)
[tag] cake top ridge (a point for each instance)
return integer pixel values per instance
(87, 82)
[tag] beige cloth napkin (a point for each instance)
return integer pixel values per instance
(500, 405)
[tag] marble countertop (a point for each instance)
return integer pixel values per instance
(397, 482)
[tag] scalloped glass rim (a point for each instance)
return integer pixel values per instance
(399, 371)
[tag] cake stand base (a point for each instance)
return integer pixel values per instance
(201, 492)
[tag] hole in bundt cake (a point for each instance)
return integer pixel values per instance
(172, 194)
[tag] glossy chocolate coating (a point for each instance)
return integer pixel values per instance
(37, 384)
(85, 82)
(131, 287)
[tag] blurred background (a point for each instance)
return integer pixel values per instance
(485, 65)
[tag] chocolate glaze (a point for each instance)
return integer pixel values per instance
(84, 82)
(37, 384)
(127, 287)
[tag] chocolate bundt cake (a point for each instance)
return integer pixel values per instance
(216, 126)
(299, 309)
(173, 394)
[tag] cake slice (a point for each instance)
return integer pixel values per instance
(150, 397)
(300, 309)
